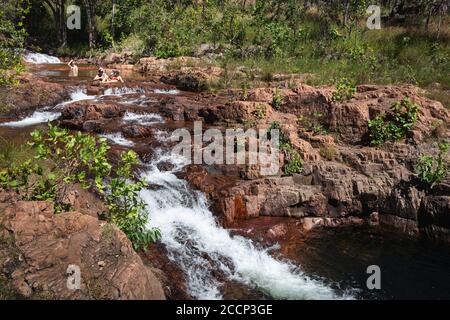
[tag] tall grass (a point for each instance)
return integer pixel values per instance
(11, 152)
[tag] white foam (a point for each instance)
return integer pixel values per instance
(199, 245)
(40, 58)
(118, 139)
(143, 119)
(36, 118)
(79, 95)
(163, 91)
(118, 91)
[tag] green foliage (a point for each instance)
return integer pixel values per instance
(82, 159)
(293, 161)
(277, 100)
(260, 111)
(345, 90)
(126, 209)
(395, 124)
(11, 153)
(432, 169)
(12, 34)
(312, 123)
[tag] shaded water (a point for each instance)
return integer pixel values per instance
(411, 268)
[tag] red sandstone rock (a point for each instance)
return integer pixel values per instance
(45, 244)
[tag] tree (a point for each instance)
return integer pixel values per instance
(90, 6)
(58, 9)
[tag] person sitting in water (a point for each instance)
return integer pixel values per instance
(114, 77)
(73, 69)
(101, 75)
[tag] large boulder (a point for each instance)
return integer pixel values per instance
(39, 248)
(187, 80)
(31, 93)
(237, 111)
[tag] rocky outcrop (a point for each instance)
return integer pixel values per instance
(342, 177)
(191, 80)
(31, 93)
(39, 248)
(237, 111)
(90, 116)
(157, 66)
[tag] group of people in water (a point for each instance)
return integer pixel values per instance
(101, 76)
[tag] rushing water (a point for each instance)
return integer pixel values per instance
(40, 58)
(143, 119)
(200, 246)
(36, 118)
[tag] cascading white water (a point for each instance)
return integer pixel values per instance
(118, 139)
(190, 233)
(40, 58)
(143, 119)
(164, 91)
(118, 91)
(48, 114)
(36, 118)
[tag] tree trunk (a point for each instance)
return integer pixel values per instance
(347, 8)
(62, 24)
(90, 13)
(112, 22)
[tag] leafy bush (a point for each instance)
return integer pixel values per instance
(82, 159)
(260, 111)
(292, 158)
(345, 90)
(431, 169)
(277, 100)
(395, 124)
(12, 36)
(312, 122)
(294, 162)
(126, 209)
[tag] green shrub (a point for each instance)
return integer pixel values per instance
(328, 151)
(83, 159)
(345, 90)
(432, 169)
(293, 161)
(126, 208)
(12, 34)
(260, 111)
(395, 124)
(312, 122)
(277, 100)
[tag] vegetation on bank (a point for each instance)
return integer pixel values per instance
(63, 160)
(433, 169)
(395, 124)
(12, 37)
(328, 39)
(293, 162)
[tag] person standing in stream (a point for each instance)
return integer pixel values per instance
(73, 69)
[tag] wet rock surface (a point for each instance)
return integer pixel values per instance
(32, 92)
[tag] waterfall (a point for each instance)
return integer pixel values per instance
(190, 233)
(37, 117)
(40, 58)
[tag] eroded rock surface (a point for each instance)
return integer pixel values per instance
(37, 247)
